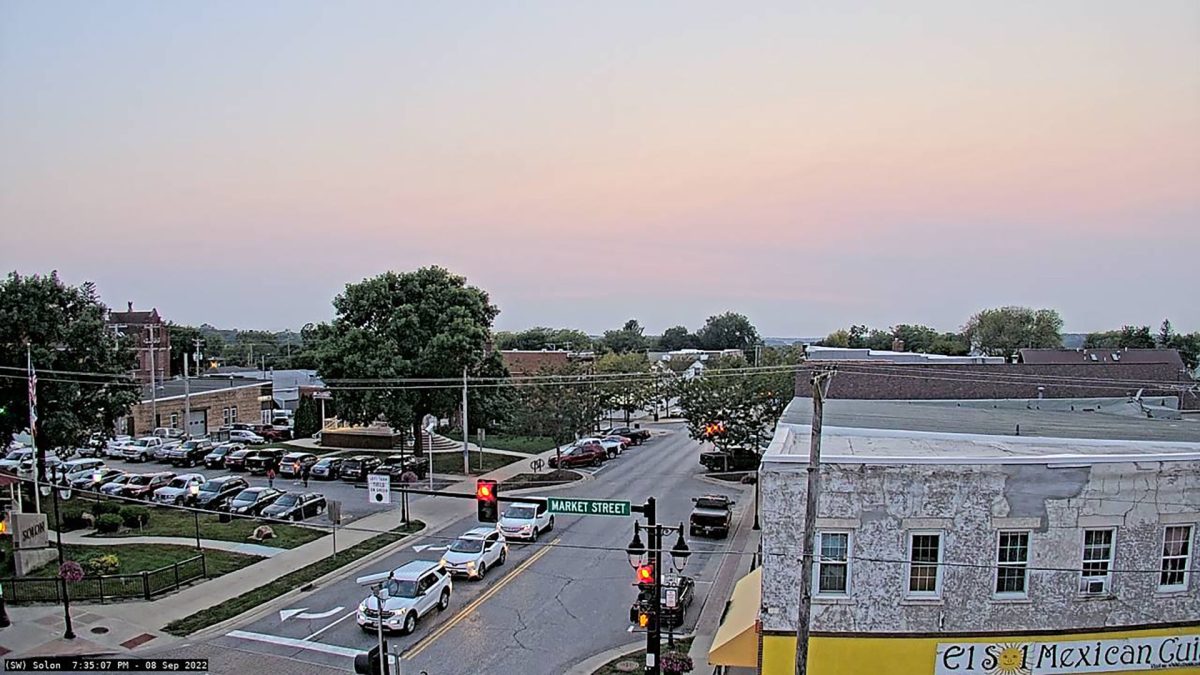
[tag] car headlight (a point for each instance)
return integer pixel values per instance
(470, 564)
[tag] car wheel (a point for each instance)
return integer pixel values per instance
(550, 526)
(295, 517)
(536, 532)
(596, 462)
(444, 601)
(503, 557)
(410, 622)
(482, 570)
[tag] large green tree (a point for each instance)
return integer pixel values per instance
(728, 331)
(308, 418)
(560, 404)
(629, 386)
(748, 404)
(83, 383)
(1129, 337)
(628, 338)
(543, 338)
(423, 324)
(677, 337)
(1004, 330)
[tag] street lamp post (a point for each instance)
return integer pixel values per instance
(69, 634)
(194, 491)
(636, 551)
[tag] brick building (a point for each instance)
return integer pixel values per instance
(530, 362)
(212, 402)
(150, 338)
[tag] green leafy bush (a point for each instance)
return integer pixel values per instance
(73, 520)
(134, 516)
(104, 564)
(109, 522)
(101, 508)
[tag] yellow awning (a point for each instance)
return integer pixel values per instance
(736, 642)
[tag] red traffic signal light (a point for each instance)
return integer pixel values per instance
(486, 501)
(645, 574)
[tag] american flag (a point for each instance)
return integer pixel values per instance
(32, 398)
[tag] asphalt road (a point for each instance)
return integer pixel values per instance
(550, 606)
(353, 496)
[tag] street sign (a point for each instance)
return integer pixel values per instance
(379, 488)
(587, 507)
(335, 512)
(323, 395)
(671, 596)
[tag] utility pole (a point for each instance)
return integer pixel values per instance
(820, 386)
(187, 397)
(465, 432)
(152, 344)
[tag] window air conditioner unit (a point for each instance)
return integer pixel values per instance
(1093, 586)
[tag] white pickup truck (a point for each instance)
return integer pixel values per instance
(144, 448)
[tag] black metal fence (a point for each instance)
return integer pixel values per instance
(108, 587)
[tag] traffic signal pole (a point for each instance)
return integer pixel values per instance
(653, 631)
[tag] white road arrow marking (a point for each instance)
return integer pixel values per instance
(285, 614)
(427, 547)
(322, 615)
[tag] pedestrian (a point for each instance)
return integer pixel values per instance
(304, 471)
(296, 471)
(270, 476)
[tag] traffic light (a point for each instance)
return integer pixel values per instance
(4, 522)
(643, 619)
(487, 505)
(370, 663)
(645, 576)
(714, 429)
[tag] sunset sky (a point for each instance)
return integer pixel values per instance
(807, 164)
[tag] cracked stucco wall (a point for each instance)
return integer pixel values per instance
(879, 504)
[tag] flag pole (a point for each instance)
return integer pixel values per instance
(32, 377)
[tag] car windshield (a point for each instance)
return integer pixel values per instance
(245, 497)
(18, 454)
(191, 444)
(398, 588)
(139, 480)
(324, 463)
(465, 545)
(178, 483)
(707, 503)
(287, 500)
(211, 486)
(519, 512)
(141, 443)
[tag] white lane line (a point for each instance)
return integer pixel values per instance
(331, 625)
(293, 642)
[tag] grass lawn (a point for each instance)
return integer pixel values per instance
(525, 480)
(168, 522)
(277, 587)
(452, 462)
(526, 444)
(639, 657)
(145, 557)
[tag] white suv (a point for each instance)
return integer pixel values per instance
(410, 592)
(525, 520)
(473, 553)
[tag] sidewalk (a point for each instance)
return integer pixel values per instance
(125, 627)
(74, 538)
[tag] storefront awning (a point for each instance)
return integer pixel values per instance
(736, 642)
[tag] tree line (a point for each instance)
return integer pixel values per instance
(728, 330)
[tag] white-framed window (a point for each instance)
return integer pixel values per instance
(1176, 558)
(1012, 564)
(1095, 578)
(174, 420)
(924, 564)
(832, 575)
(232, 414)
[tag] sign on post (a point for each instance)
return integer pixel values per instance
(379, 488)
(29, 531)
(587, 507)
(335, 512)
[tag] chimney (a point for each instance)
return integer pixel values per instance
(897, 345)
(130, 305)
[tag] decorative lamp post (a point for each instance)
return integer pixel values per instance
(65, 570)
(194, 492)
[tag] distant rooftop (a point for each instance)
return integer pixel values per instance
(199, 385)
(1108, 355)
(815, 353)
(890, 431)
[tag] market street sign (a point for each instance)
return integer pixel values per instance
(587, 507)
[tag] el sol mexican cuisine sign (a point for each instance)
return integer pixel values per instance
(1077, 656)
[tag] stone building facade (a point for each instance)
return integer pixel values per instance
(213, 402)
(151, 340)
(933, 539)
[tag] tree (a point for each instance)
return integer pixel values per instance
(539, 338)
(1165, 333)
(879, 340)
(1189, 348)
(423, 324)
(308, 418)
(1129, 337)
(182, 343)
(677, 337)
(627, 394)
(64, 328)
(559, 406)
(628, 339)
(838, 338)
(728, 331)
(749, 406)
(1004, 330)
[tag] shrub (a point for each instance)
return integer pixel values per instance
(109, 522)
(101, 508)
(134, 516)
(74, 520)
(104, 564)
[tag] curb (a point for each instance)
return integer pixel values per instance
(594, 662)
(337, 574)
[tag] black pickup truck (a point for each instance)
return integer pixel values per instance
(730, 460)
(637, 435)
(712, 515)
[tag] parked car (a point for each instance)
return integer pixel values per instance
(190, 453)
(216, 458)
(51, 463)
(251, 501)
(142, 449)
(677, 595)
(396, 466)
(726, 460)
(327, 468)
(246, 436)
(587, 454)
(94, 446)
(143, 485)
(296, 506)
(357, 467)
(236, 460)
(113, 487)
(270, 433)
(526, 520)
(476, 551)
(115, 446)
(625, 441)
(712, 515)
(89, 481)
(170, 434)
(612, 447)
(77, 468)
(411, 591)
(259, 461)
(14, 459)
(288, 463)
(216, 493)
(637, 435)
(178, 491)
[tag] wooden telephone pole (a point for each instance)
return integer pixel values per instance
(820, 386)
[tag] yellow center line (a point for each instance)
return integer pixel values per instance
(466, 611)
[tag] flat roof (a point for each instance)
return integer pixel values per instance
(170, 389)
(983, 431)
